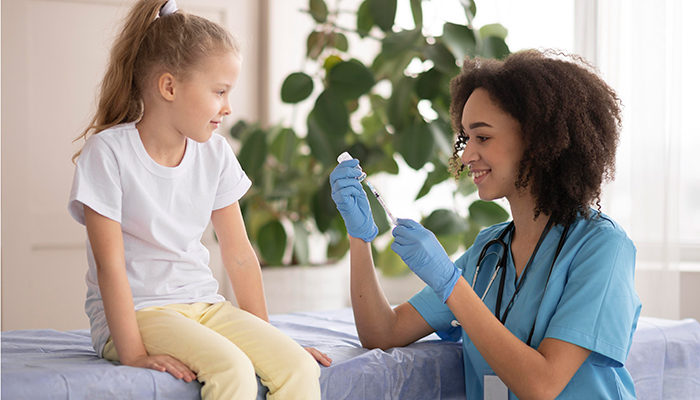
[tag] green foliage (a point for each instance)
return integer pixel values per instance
(290, 197)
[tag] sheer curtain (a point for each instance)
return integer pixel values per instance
(648, 51)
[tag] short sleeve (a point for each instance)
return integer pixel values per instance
(233, 182)
(96, 182)
(436, 313)
(599, 307)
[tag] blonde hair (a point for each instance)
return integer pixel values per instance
(175, 43)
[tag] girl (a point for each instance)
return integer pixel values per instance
(148, 180)
(545, 305)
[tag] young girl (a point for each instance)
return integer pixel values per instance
(545, 305)
(148, 180)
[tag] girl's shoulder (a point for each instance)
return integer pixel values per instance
(109, 144)
(112, 138)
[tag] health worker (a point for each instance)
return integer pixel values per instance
(545, 304)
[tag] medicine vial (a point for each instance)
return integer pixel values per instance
(345, 157)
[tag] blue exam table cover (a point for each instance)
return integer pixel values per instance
(46, 364)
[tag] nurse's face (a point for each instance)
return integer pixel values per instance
(494, 147)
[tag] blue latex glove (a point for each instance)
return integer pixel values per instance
(421, 251)
(351, 200)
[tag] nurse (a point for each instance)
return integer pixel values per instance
(545, 305)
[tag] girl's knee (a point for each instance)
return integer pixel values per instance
(304, 366)
(309, 365)
(228, 376)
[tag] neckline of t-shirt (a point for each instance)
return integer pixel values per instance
(151, 165)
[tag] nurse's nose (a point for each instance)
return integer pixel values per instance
(469, 154)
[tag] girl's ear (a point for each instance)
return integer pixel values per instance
(166, 86)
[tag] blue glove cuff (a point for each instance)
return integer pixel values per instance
(367, 238)
(446, 291)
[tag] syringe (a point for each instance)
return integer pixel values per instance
(346, 156)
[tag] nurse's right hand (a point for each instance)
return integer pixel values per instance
(351, 200)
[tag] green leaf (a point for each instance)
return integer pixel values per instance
(383, 13)
(445, 222)
(297, 87)
(487, 213)
(324, 147)
(365, 21)
(400, 103)
(323, 206)
(391, 264)
(315, 44)
(336, 251)
(442, 133)
(318, 10)
(284, 146)
(338, 243)
(330, 62)
(238, 128)
(494, 47)
(331, 114)
(378, 213)
(459, 39)
(272, 241)
(465, 185)
(442, 58)
(253, 153)
(417, 12)
(428, 84)
(339, 41)
(301, 244)
(450, 243)
(394, 44)
(471, 234)
(350, 79)
(392, 69)
(469, 9)
(255, 219)
(496, 30)
(416, 145)
(439, 175)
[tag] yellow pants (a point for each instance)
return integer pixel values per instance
(226, 347)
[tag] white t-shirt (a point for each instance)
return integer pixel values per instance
(163, 213)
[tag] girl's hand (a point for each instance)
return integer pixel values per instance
(165, 363)
(320, 357)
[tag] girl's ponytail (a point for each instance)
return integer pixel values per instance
(120, 97)
(176, 43)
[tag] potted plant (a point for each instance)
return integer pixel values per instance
(290, 202)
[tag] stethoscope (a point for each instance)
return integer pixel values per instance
(501, 264)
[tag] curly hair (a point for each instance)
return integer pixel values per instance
(570, 121)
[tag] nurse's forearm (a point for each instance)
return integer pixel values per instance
(374, 317)
(528, 373)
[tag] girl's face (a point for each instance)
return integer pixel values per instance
(203, 99)
(494, 147)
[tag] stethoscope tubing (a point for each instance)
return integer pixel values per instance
(498, 241)
(500, 266)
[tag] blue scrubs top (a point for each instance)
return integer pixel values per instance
(590, 301)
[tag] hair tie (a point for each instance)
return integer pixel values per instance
(168, 8)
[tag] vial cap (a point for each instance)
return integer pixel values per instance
(344, 157)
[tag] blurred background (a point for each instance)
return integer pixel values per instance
(297, 51)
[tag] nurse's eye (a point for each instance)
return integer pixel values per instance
(463, 137)
(482, 139)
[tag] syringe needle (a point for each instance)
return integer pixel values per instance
(381, 202)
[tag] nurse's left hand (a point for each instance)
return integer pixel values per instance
(421, 251)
